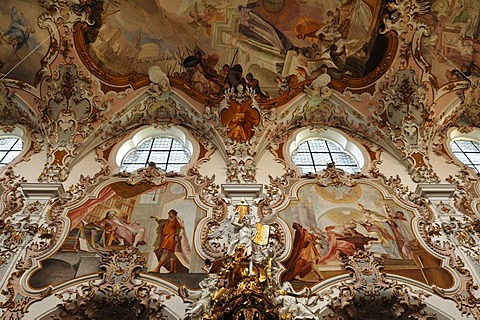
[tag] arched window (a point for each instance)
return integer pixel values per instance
(468, 152)
(313, 155)
(168, 153)
(10, 148)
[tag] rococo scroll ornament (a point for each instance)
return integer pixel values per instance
(117, 293)
(370, 294)
(406, 114)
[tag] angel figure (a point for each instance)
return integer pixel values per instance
(159, 82)
(318, 89)
(296, 305)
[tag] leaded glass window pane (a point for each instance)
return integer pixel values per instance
(319, 158)
(318, 145)
(314, 155)
(303, 148)
(474, 157)
(159, 157)
(147, 145)
(10, 148)
(467, 146)
(302, 159)
(343, 158)
(167, 153)
(468, 152)
(177, 145)
(162, 144)
(333, 147)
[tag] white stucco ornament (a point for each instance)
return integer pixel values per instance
(160, 83)
(319, 90)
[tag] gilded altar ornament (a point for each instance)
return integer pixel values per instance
(242, 208)
(467, 234)
(244, 284)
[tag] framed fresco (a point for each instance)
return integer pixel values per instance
(157, 220)
(332, 222)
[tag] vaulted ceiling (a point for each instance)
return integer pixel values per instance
(81, 77)
(402, 72)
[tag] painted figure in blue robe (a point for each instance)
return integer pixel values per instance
(18, 32)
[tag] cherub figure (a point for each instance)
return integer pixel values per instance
(201, 299)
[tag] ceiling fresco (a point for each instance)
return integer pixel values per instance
(210, 45)
(23, 43)
(453, 37)
(241, 84)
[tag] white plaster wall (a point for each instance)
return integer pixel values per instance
(31, 169)
(215, 166)
(86, 167)
(391, 167)
(266, 166)
(444, 169)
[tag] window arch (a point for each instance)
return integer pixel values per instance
(11, 146)
(466, 148)
(312, 151)
(170, 150)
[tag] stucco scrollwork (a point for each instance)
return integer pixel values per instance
(370, 293)
(69, 113)
(465, 191)
(14, 233)
(466, 233)
(117, 292)
(150, 174)
(12, 199)
(405, 112)
(210, 194)
(400, 14)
